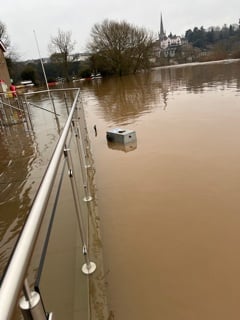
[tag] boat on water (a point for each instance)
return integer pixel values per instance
(96, 76)
(26, 83)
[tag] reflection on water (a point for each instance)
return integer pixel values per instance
(126, 147)
(170, 209)
(16, 159)
(125, 97)
(23, 160)
(199, 78)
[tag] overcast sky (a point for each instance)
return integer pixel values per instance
(79, 16)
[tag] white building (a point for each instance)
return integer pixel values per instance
(168, 44)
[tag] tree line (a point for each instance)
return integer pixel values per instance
(116, 48)
(202, 38)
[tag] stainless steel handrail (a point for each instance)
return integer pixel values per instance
(16, 272)
(52, 90)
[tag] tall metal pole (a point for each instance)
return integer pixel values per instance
(44, 73)
(45, 77)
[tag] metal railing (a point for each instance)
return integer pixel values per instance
(11, 111)
(15, 278)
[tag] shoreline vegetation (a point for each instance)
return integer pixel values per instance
(111, 54)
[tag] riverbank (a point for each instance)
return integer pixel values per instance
(191, 64)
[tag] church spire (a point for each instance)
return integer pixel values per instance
(162, 33)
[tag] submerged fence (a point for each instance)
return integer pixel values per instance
(15, 281)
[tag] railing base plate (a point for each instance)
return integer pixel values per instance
(89, 268)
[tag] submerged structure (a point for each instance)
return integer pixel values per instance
(123, 136)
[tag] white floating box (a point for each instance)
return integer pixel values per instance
(121, 135)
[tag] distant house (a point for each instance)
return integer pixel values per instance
(169, 45)
(4, 74)
(80, 56)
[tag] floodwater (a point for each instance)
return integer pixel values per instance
(25, 154)
(169, 205)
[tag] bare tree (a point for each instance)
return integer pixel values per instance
(61, 47)
(119, 47)
(3, 35)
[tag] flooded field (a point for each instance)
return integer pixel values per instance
(169, 207)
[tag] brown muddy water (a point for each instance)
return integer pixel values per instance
(168, 205)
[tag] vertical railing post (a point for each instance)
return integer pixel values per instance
(27, 113)
(54, 110)
(84, 133)
(88, 267)
(83, 166)
(5, 118)
(31, 304)
(21, 108)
